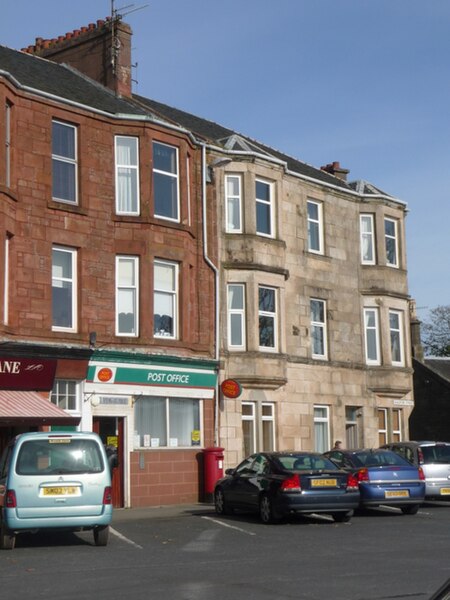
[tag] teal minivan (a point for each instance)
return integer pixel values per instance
(51, 480)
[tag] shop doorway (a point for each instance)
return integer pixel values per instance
(110, 430)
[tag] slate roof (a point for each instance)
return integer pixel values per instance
(441, 366)
(63, 81)
(212, 132)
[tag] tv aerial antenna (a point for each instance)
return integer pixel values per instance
(116, 15)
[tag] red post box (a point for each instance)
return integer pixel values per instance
(213, 469)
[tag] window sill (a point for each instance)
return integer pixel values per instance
(66, 207)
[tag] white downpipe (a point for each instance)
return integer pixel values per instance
(216, 290)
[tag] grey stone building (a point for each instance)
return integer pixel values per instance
(313, 300)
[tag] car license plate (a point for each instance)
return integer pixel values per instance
(324, 482)
(445, 491)
(396, 494)
(59, 491)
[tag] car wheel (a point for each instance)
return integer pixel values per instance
(101, 535)
(342, 517)
(220, 503)
(412, 509)
(267, 511)
(7, 538)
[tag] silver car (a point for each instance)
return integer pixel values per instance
(434, 458)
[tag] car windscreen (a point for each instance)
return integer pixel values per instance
(62, 456)
(440, 453)
(379, 459)
(306, 462)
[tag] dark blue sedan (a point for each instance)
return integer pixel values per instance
(384, 478)
(276, 484)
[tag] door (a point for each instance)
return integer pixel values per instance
(110, 430)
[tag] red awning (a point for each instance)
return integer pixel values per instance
(32, 409)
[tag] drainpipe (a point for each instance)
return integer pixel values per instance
(216, 290)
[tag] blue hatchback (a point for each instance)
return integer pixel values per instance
(384, 478)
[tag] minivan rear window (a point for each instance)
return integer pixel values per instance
(62, 456)
(436, 454)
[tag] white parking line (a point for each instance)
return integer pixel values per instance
(125, 539)
(229, 526)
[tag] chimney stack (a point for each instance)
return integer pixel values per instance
(102, 51)
(335, 169)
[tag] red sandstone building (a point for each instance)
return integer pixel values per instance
(107, 273)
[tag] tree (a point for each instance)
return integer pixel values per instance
(436, 332)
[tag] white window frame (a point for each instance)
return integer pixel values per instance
(57, 392)
(131, 168)
(376, 329)
(270, 315)
(367, 237)
(230, 201)
(318, 223)
(387, 238)
(133, 288)
(69, 160)
(321, 326)
(74, 283)
(8, 110)
(266, 203)
(175, 176)
(399, 332)
(236, 313)
(173, 293)
(319, 420)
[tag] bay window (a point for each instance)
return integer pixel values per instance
(236, 316)
(372, 336)
(268, 336)
(166, 182)
(165, 299)
(127, 295)
(127, 175)
(233, 204)
(264, 208)
(367, 240)
(64, 162)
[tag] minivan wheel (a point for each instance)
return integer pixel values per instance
(267, 511)
(412, 509)
(101, 535)
(7, 538)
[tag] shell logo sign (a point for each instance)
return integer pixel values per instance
(105, 374)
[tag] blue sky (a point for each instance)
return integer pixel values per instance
(362, 82)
